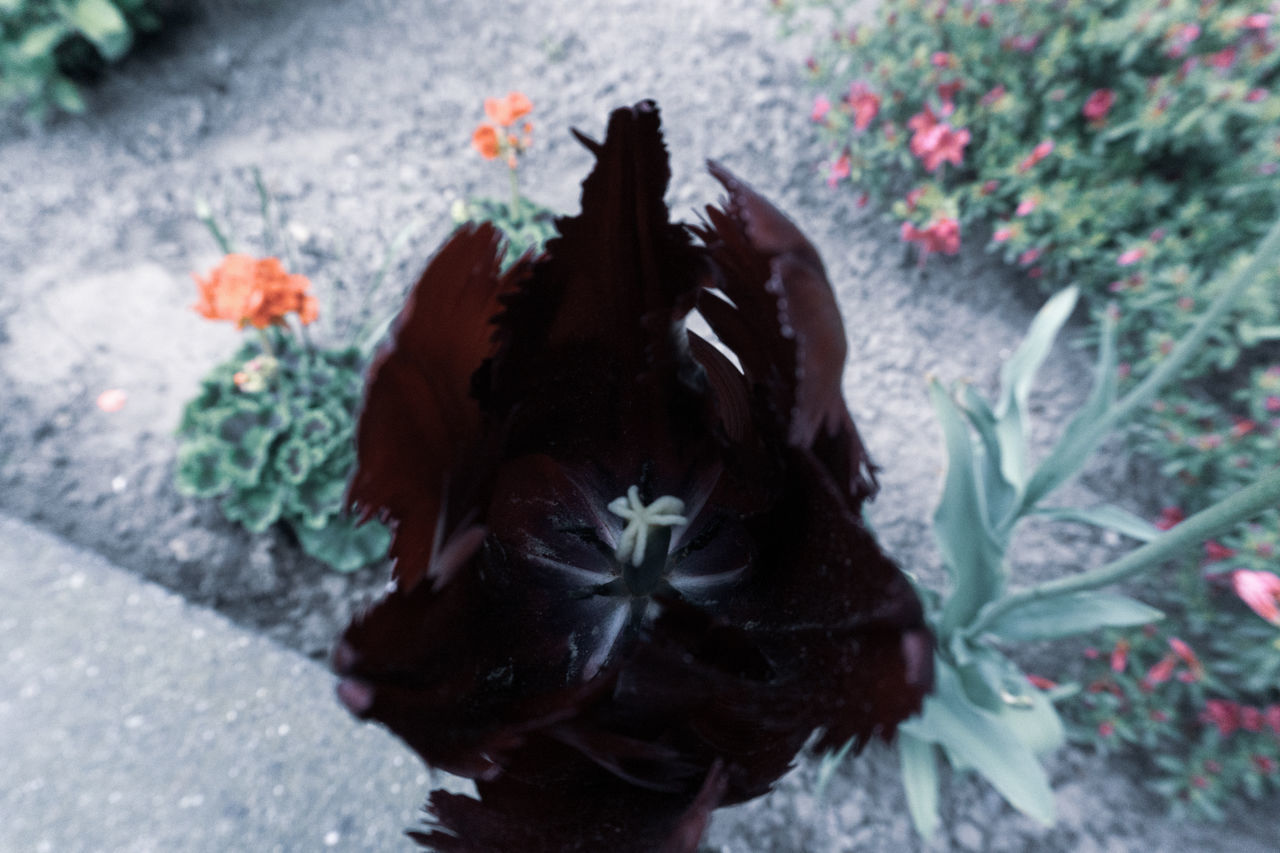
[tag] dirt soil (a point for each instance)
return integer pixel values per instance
(358, 114)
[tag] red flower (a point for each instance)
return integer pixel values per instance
(1040, 682)
(1264, 764)
(1041, 151)
(1030, 256)
(940, 235)
(631, 578)
(1120, 656)
(1251, 719)
(1215, 551)
(840, 170)
(1170, 516)
(1223, 714)
(1098, 104)
(947, 91)
(1106, 728)
(1224, 58)
(865, 105)
(1161, 672)
(1271, 716)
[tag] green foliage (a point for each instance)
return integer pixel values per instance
(271, 438)
(1131, 148)
(985, 714)
(528, 226)
(45, 44)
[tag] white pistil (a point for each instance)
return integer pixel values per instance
(663, 512)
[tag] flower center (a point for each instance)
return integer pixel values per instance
(642, 548)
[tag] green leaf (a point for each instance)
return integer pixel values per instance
(998, 493)
(66, 95)
(256, 508)
(9, 7)
(40, 41)
(101, 23)
(1107, 516)
(1082, 435)
(919, 762)
(1067, 615)
(200, 472)
(1015, 383)
(971, 554)
(344, 545)
(827, 767)
(979, 739)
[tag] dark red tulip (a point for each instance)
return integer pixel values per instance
(631, 578)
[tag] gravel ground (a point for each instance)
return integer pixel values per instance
(358, 114)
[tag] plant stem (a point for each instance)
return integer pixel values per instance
(515, 195)
(1244, 504)
(267, 349)
(1086, 440)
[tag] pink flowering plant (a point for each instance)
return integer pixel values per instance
(1133, 149)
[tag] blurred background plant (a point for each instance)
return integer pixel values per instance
(526, 224)
(1133, 149)
(271, 433)
(47, 46)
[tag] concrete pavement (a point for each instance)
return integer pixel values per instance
(132, 721)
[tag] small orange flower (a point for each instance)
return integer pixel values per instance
(505, 111)
(254, 292)
(485, 140)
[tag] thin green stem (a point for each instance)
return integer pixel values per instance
(267, 349)
(1243, 505)
(205, 214)
(1084, 442)
(515, 195)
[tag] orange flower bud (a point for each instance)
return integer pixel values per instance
(505, 111)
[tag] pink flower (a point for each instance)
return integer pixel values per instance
(940, 235)
(1106, 728)
(941, 59)
(988, 187)
(1041, 151)
(840, 169)
(112, 400)
(1002, 234)
(913, 197)
(1256, 21)
(1131, 257)
(1027, 205)
(1158, 674)
(1120, 656)
(1264, 764)
(947, 91)
(1272, 403)
(1271, 716)
(933, 141)
(1256, 95)
(1223, 714)
(1181, 38)
(864, 103)
(1030, 256)
(992, 96)
(1098, 104)
(1250, 719)
(821, 106)
(1260, 590)
(1224, 58)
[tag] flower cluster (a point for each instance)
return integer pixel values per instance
(1153, 692)
(1129, 147)
(254, 292)
(496, 139)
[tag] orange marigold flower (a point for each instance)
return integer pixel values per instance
(485, 140)
(505, 111)
(254, 292)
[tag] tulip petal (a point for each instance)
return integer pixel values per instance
(419, 419)
(784, 326)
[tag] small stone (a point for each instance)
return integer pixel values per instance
(968, 836)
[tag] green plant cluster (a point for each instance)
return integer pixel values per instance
(527, 226)
(44, 44)
(1132, 148)
(271, 437)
